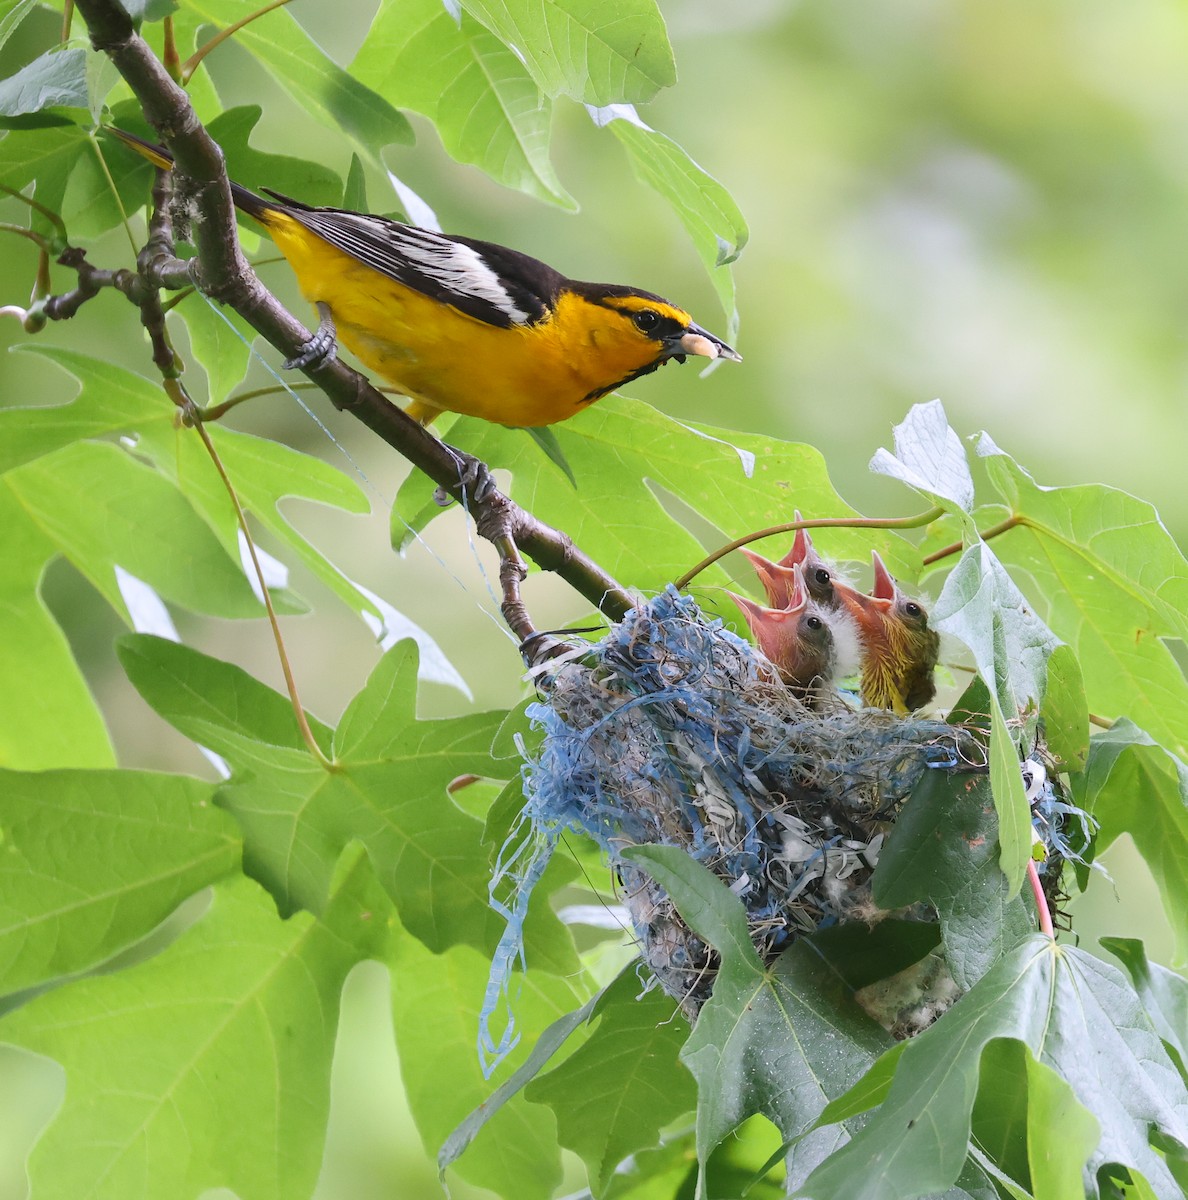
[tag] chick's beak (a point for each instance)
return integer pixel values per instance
(696, 340)
(802, 546)
(868, 612)
(884, 585)
(777, 580)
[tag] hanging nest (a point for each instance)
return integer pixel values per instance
(674, 731)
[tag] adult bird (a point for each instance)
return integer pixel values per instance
(798, 639)
(899, 651)
(461, 325)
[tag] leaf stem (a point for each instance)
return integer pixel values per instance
(179, 396)
(191, 64)
(915, 522)
(25, 232)
(115, 193)
(48, 213)
(169, 55)
(993, 532)
(1041, 901)
(215, 411)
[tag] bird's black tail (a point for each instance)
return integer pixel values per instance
(246, 201)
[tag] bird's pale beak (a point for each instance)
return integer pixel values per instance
(802, 546)
(884, 585)
(696, 340)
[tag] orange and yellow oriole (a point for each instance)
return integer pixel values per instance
(466, 326)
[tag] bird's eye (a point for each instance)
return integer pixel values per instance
(814, 623)
(822, 576)
(646, 320)
(913, 609)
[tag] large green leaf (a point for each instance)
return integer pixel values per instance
(782, 1041)
(58, 77)
(221, 342)
(92, 860)
(48, 717)
(263, 472)
(981, 605)
(98, 506)
(1079, 1017)
(1133, 785)
(106, 513)
(597, 51)
(621, 450)
(1164, 993)
(705, 207)
(616, 1093)
(387, 788)
(330, 95)
(206, 1066)
(12, 13)
(1112, 582)
(944, 850)
(479, 95)
(111, 401)
(1027, 1122)
(436, 1000)
(63, 163)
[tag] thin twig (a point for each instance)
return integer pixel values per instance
(48, 213)
(818, 523)
(169, 54)
(179, 397)
(191, 64)
(992, 532)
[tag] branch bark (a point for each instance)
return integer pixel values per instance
(223, 273)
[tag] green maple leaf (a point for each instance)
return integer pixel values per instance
(1131, 784)
(208, 1065)
(624, 455)
(618, 1090)
(387, 788)
(782, 1041)
(480, 97)
(1079, 1017)
(1112, 582)
(436, 999)
(93, 860)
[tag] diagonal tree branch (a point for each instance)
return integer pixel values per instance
(222, 272)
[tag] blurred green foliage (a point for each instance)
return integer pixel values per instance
(946, 198)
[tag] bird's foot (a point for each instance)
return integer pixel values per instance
(320, 348)
(476, 479)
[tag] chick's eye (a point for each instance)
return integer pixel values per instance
(913, 609)
(647, 320)
(822, 576)
(814, 623)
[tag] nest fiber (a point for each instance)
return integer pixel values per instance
(674, 731)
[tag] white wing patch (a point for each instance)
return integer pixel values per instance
(419, 257)
(458, 268)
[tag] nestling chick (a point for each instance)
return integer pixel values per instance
(776, 577)
(898, 649)
(798, 639)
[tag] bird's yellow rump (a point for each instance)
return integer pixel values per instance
(466, 326)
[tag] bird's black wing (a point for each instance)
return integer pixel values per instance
(489, 282)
